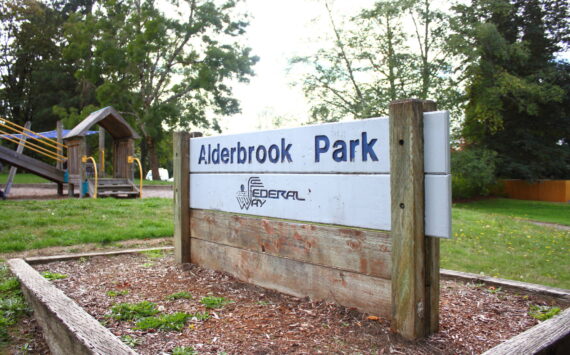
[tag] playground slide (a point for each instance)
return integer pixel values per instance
(32, 165)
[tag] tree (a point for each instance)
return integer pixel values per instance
(33, 74)
(161, 71)
(517, 92)
(379, 61)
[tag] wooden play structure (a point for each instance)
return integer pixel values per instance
(74, 166)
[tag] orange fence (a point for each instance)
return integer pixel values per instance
(543, 190)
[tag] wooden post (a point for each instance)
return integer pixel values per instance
(101, 151)
(414, 258)
(181, 175)
(13, 169)
(59, 164)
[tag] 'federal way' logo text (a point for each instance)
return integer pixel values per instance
(256, 194)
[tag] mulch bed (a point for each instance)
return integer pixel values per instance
(474, 318)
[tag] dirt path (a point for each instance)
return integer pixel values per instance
(49, 191)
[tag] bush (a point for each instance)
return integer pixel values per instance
(473, 172)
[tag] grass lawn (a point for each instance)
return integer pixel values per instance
(39, 224)
(487, 239)
(24, 178)
(552, 212)
(21, 178)
(484, 241)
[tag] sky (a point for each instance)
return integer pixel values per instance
(278, 31)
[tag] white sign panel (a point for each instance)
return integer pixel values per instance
(353, 200)
(348, 147)
(331, 173)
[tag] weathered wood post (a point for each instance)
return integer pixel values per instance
(59, 163)
(19, 150)
(415, 257)
(181, 175)
(101, 151)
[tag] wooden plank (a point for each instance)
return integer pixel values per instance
(561, 295)
(101, 171)
(357, 250)
(33, 165)
(366, 293)
(68, 329)
(14, 169)
(181, 174)
(408, 239)
(431, 245)
(549, 337)
(33, 260)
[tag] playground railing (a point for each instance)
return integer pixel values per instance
(45, 146)
(88, 174)
(131, 160)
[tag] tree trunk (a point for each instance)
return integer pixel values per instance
(153, 157)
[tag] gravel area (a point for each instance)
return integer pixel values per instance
(49, 191)
(474, 318)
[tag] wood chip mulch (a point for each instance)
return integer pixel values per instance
(474, 318)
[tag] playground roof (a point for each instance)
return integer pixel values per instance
(41, 135)
(109, 119)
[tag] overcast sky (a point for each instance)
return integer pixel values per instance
(278, 31)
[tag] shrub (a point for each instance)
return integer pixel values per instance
(473, 172)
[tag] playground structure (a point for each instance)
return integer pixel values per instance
(73, 166)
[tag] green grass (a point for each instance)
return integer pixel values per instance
(12, 305)
(154, 182)
(550, 212)
(38, 224)
(21, 178)
(506, 247)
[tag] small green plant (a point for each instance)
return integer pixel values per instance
(200, 316)
(494, 290)
(174, 321)
(184, 350)
(130, 311)
(214, 302)
(130, 340)
(114, 293)
(53, 275)
(147, 265)
(543, 313)
(153, 254)
(263, 303)
(180, 295)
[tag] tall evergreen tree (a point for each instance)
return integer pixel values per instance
(516, 89)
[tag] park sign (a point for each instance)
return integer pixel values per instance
(337, 173)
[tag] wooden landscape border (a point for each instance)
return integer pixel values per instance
(69, 329)
(394, 274)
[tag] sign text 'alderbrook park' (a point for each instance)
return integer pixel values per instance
(331, 173)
